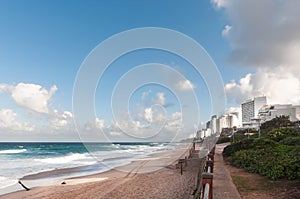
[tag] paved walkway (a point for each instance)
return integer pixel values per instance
(223, 187)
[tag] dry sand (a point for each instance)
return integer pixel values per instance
(133, 181)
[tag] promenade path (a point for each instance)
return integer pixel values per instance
(223, 187)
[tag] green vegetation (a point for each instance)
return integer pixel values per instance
(223, 140)
(238, 135)
(278, 122)
(292, 141)
(275, 155)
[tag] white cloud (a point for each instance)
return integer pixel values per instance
(160, 99)
(174, 122)
(115, 133)
(226, 30)
(35, 98)
(8, 120)
(131, 127)
(148, 115)
(5, 88)
(153, 123)
(233, 110)
(67, 114)
(278, 86)
(31, 96)
(241, 91)
(218, 3)
(60, 119)
(145, 94)
(99, 123)
(269, 41)
(184, 85)
(96, 125)
(154, 114)
(268, 38)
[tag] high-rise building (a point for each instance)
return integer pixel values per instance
(218, 127)
(213, 124)
(229, 120)
(208, 124)
(250, 110)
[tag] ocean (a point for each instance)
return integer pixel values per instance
(32, 161)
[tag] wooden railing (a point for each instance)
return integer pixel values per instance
(207, 176)
(183, 162)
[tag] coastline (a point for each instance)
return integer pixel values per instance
(157, 164)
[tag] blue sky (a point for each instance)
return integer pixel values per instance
(44, 43)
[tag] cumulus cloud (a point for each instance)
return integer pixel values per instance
(185, 85)
(5, 88)
(240, 91)
(264, 35)
(31, 96)
(160, 99)
(151, 122)
(154, 114)
(226, 30)
(145, 94)
(174, 122)
(60, 119)
(148, 115)
(35, 98)
(8, 120)
(126, 127)
(269, 37)
(218, 3)
(278, 86)
(99, 123)
(233, 110)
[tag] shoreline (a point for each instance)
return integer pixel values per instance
(153, 163)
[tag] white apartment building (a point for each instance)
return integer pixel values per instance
(213, 124)
(227, 121)
(268, 112)
(204, 133)
(250, 110)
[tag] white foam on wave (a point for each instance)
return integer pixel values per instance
(73, 157)
(116, 145)
(6, 182)
(12, 151)
(146, 149)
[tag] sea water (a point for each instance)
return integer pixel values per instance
(46, 160)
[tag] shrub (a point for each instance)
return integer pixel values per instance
(275, 155)
(292, 141)
(223, 140)
(248, 144)
(278, 122)
(263, 143)
(237, 146)
(275, 163)
(240, 135)
(278, 134)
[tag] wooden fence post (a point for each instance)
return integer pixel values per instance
(207, 178)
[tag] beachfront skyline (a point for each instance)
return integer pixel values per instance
(43, 45)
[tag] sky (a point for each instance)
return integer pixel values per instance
(146, 94)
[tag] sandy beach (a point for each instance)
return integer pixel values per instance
(153, 177)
